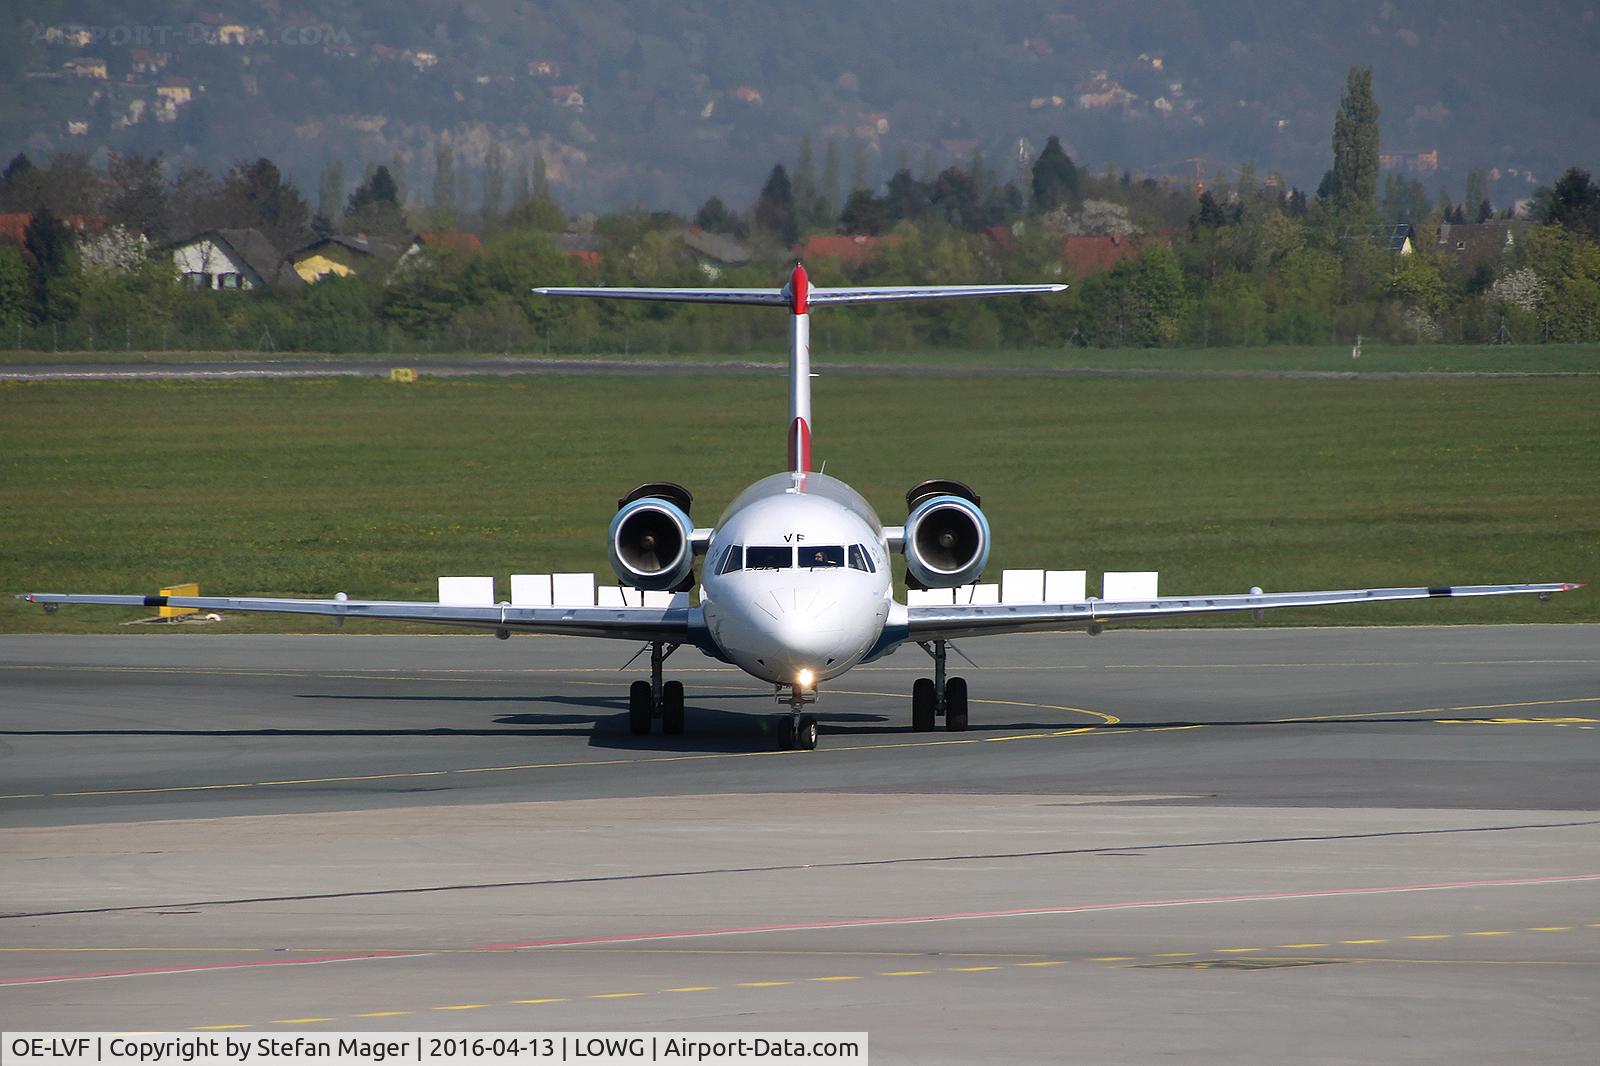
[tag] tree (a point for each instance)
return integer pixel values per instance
(49, 245)
(774, 209)
(714, 216)
(444, 186)
(255, 195)
(375, 206)
(829, 192)
(21, 185)
(1355, 144)
(494, 180)
(1573, 203)
(137, 198)
(70, 185)
(1477, 189)
(16, 287)
(864, 213)
(1055, 178)
(330, 190)
(907, 198)
(804, 187)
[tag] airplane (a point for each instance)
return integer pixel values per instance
(796, 582)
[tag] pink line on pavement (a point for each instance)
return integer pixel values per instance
(844, 923)
(1023, 912)
(207, 967)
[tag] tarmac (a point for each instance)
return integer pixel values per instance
(1255, 845)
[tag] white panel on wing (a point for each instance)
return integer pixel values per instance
(658, 600)
(1066, 586)
(985, 593)
(930, 597)
(611, 596)
(530, 590)
(679, 602)
(572, 590)
(1121, 586)
(1022, 586)
(467, 591)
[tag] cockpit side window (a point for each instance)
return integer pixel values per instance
(824, 557)
(860, 560)
(732, 559)
(769, 558)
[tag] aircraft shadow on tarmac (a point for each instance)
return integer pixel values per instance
(708, 729)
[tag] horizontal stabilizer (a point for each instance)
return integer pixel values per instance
(782, 297)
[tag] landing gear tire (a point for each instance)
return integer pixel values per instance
(640, 708)
(786, 732)
(672, 708)
(955, 705)
(805, 738)
(922, 705)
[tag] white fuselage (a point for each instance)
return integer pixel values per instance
(796, 582)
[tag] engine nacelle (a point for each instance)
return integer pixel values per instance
(946, 542)
(650, 545)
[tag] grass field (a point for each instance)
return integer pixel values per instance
(315, 486)
(1436, 358)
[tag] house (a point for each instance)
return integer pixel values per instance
(1399, 238)
(339, 254)
(749, 94)
(714, 251)
(584, 247)
(145, 61)
(14, 225)
(175, 90)
(1415, 162)
(544, 68)
(232, 259)
(568, 96)
(441, 241)
(1090, 253)
(849, 249)
(1101, 92)
(77, 127)
(86, 68)
(1472, 244)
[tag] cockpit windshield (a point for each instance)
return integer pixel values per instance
(768, 558)
(821, 558)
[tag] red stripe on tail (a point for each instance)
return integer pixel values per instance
(799, 289)
(800, 446)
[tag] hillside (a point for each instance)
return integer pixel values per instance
(668, 103)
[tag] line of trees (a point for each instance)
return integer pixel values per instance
(1248, 261)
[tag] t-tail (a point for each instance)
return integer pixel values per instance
(799, 297)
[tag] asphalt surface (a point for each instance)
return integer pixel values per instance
(1211, 846)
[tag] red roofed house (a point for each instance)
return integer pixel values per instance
(14, 225)
(440, 241)
(1091, 253)
(849, 250)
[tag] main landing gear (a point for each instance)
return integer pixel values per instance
(797, 731)
(653, 698)
(936, 696)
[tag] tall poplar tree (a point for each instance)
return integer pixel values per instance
(1355, 144)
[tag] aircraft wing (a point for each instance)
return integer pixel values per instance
(971, 620)
(618, 623)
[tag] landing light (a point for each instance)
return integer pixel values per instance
(804, 678)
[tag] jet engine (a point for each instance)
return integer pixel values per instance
(946, 536)
(650, 538)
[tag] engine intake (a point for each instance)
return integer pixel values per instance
(946, 542)
(650, 545)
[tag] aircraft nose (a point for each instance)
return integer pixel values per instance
(798, 629)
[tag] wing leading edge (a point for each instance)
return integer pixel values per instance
(618, 623)
(947, 623)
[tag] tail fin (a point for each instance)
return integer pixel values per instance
(799, 298)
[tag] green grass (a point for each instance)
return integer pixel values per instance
(1375, 358)
(311, 487)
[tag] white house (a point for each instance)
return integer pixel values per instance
(231, 259)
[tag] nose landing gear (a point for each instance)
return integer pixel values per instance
(936, 696)
(796, 731)
(651, 699)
